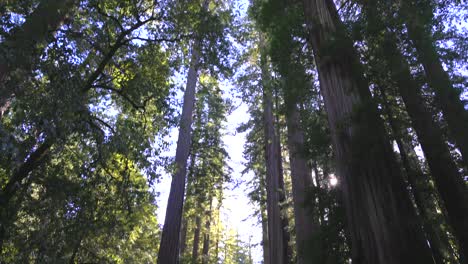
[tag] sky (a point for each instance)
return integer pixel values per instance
(237, 211)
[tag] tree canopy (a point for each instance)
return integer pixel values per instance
(352, 116)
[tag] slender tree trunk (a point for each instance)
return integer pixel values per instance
(448, 180)
(206, 236)
(288, 252)
(264, 219)
(301, 176)
(183, 238)
(383, 224)
(35, 159)
(319, 187)
(196, 240)
(218, 223)
(26, 44)
(169, 247)
(419, 186)
(447, 97)
(275, 230)
(190, 179)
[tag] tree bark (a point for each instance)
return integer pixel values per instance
(282, 189)
(196, 240)
(383, 225)
(301, 176)
(448, 180)
(447, 97)
(169, 247)
(275, 230)
(26, 44)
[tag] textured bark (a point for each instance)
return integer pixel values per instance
(26, 44)
(275, 230)
(196, 240)
(446, 96)
(382, 222)
(301, 176)
(448, 180)
(169, 247)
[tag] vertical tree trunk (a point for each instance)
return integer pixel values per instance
(206, 236)
(264, 219)
(383, 225)
(26, 44)
(301, 176)
(419, 186)
(446, 96)
(183, 238)
(190, 179)
(218, 223)
(169, 247)
(288, 252)
(196, 240)
(448, 180)
(275, 230)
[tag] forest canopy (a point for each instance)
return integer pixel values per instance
(352, 116)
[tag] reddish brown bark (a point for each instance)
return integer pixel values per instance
(301, 176)
(381, 219)
(275, 224)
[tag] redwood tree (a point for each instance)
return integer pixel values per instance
(381, 219)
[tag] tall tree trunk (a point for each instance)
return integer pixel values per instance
(301, 176)
(447, 97)
(196, 240)
(190, 179)
(420, 187)
(206, 236)
(264, 219)
(448, 180)
(275, 230)
(183, 238)
(288, 252)
(169, 247)
(26, 44)
(383, 225)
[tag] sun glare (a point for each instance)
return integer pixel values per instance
(333, 181)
